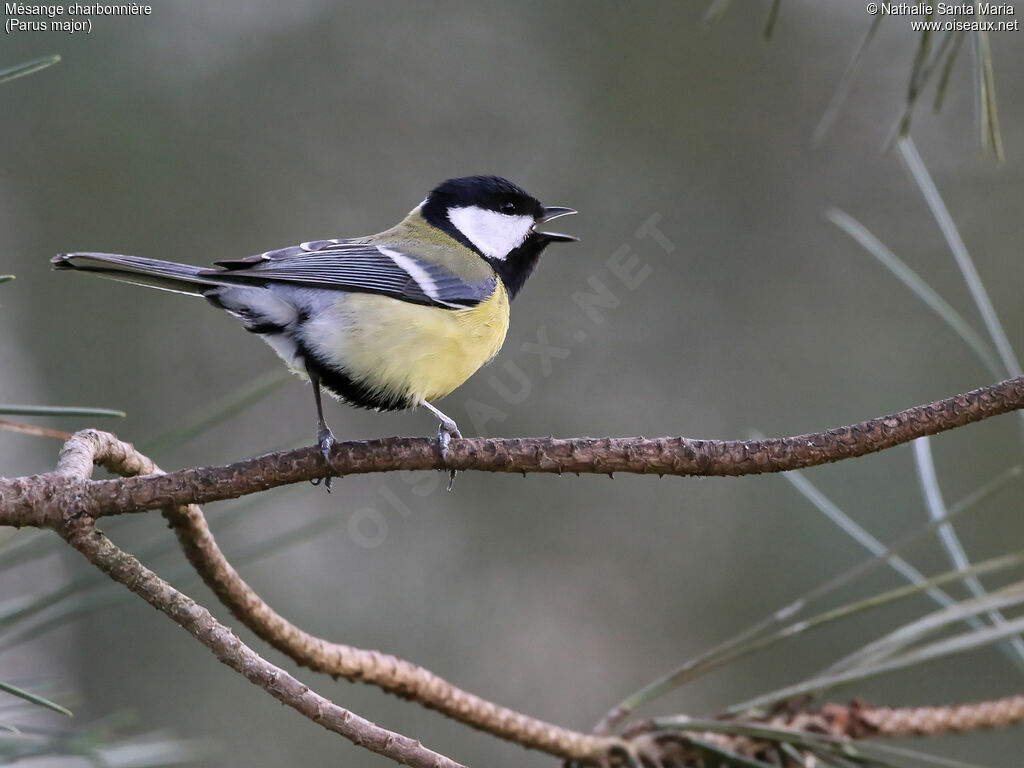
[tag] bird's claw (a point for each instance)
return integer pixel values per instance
(325, 441)
(445, 433)
(446, 430)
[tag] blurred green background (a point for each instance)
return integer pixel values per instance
(216, 130)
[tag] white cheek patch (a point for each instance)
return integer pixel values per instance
(494, 234)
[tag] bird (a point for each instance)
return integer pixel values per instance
(387, 322)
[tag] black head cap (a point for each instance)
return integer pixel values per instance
(491, 193)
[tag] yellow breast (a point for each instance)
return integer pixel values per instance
(409, 350)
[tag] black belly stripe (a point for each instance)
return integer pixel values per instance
(348, 389)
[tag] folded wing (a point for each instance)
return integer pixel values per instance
(355, 266)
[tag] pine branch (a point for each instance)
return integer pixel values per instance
(46, 499)
(69, 502)
(200, 623)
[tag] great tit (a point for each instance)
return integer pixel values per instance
(390, 321)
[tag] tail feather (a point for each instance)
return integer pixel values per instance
(165, 275)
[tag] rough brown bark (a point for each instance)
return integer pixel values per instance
(27, 498)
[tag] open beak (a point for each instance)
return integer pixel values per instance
(553, 212)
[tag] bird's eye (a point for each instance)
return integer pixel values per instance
(507, 207)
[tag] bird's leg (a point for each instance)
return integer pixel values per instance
(446, 430)
(324, 436)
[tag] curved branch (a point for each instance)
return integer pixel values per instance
(387, 672)
(66, 499)
(21, 498)
(125, 569)
(390, 673)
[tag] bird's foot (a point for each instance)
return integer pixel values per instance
(325, 441)
(445, 433)
(446, 430)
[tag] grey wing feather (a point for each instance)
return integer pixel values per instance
(356, 266)
(313, 246)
